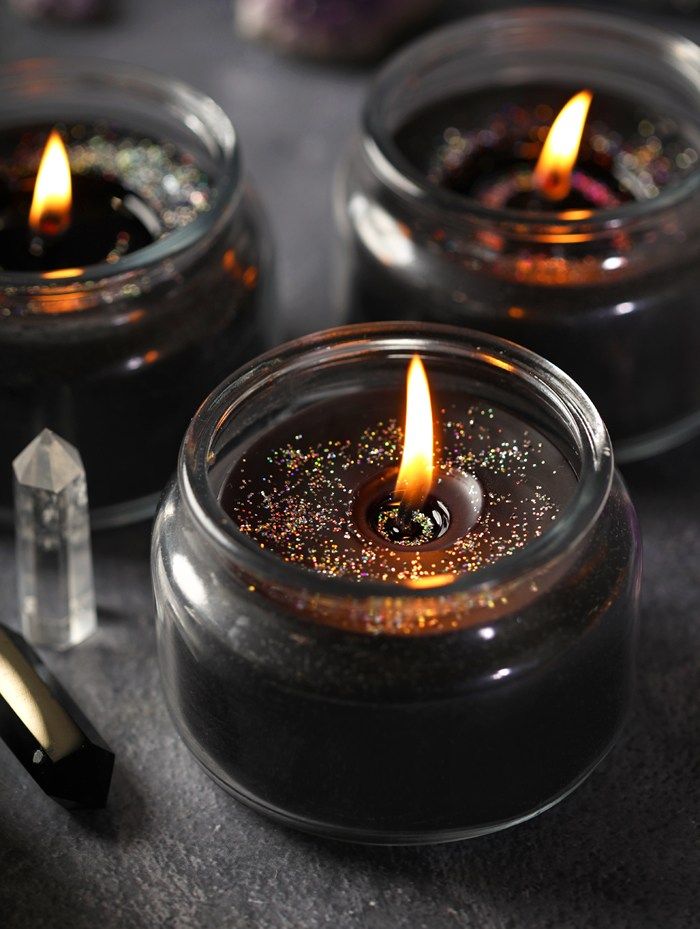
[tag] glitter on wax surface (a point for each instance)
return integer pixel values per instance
(497, 196)
(302, 504)
(642, 163)
(165, 177)
(421, 526)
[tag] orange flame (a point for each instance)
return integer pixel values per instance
(552, 176)
(416, 472)
(51, 203)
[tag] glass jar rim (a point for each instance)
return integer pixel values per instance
(595, 474)
(405, 179)
(204, 110)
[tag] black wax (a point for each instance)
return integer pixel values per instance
(629, 337)
(308, 489)
(389, 732)
(107, 222)
(120, 378)
(411, 737)
(504, 132)
(124, 401)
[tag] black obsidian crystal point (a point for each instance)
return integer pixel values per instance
(47, 732)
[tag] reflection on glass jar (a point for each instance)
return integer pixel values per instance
(432, 687)
(441, 220)
(118, 316)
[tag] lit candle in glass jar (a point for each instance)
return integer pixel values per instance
(327, 491)
(63, 223)
(366, 627)
(132, 269)
(560, 181)
(504, 182)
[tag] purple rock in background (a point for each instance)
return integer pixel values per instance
(341, 29)
(66, 10)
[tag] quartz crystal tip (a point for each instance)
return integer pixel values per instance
(54, 558)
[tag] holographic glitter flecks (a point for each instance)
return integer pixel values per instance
(484, 145)
(415, 527)
(639, 163)
(507, 187)
(298, 499)
(167, 178)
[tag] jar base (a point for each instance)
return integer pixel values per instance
(370, 837)
(114, 516)
(657, 441)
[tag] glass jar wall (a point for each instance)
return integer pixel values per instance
(116, 356)
(609, 294)
(376, 711)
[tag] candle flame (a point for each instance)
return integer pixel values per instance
(416, 472)
(552, 176)
(51, 203)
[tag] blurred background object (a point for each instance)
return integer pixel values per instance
(66, 10)
(342, 29)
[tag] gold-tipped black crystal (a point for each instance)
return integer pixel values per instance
(46, 731)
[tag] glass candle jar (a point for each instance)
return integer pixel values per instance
(399, 711)
(114, 353)
(608, 293)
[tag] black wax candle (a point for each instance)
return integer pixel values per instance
(388, 689)
(409, 738)
(486, 147)
(607, 294)
(117, 365)
(107, 222)
(102, 219)
(382, 688)
(312, 491)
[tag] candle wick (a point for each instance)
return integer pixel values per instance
(36, 246)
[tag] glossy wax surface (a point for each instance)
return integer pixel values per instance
(608, 298)
(300, 490)
(485, 146)
(118, 370)
(102, 228)
(127, 191)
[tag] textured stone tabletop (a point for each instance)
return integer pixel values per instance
(172, 850)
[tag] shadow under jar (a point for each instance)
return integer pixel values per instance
(113, 330)
(360, 692)
(434, 226)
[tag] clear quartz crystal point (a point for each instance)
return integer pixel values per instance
(54, 559)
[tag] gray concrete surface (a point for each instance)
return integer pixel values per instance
(172, 850)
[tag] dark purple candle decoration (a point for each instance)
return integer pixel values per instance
(68, 11)
(340, 29)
